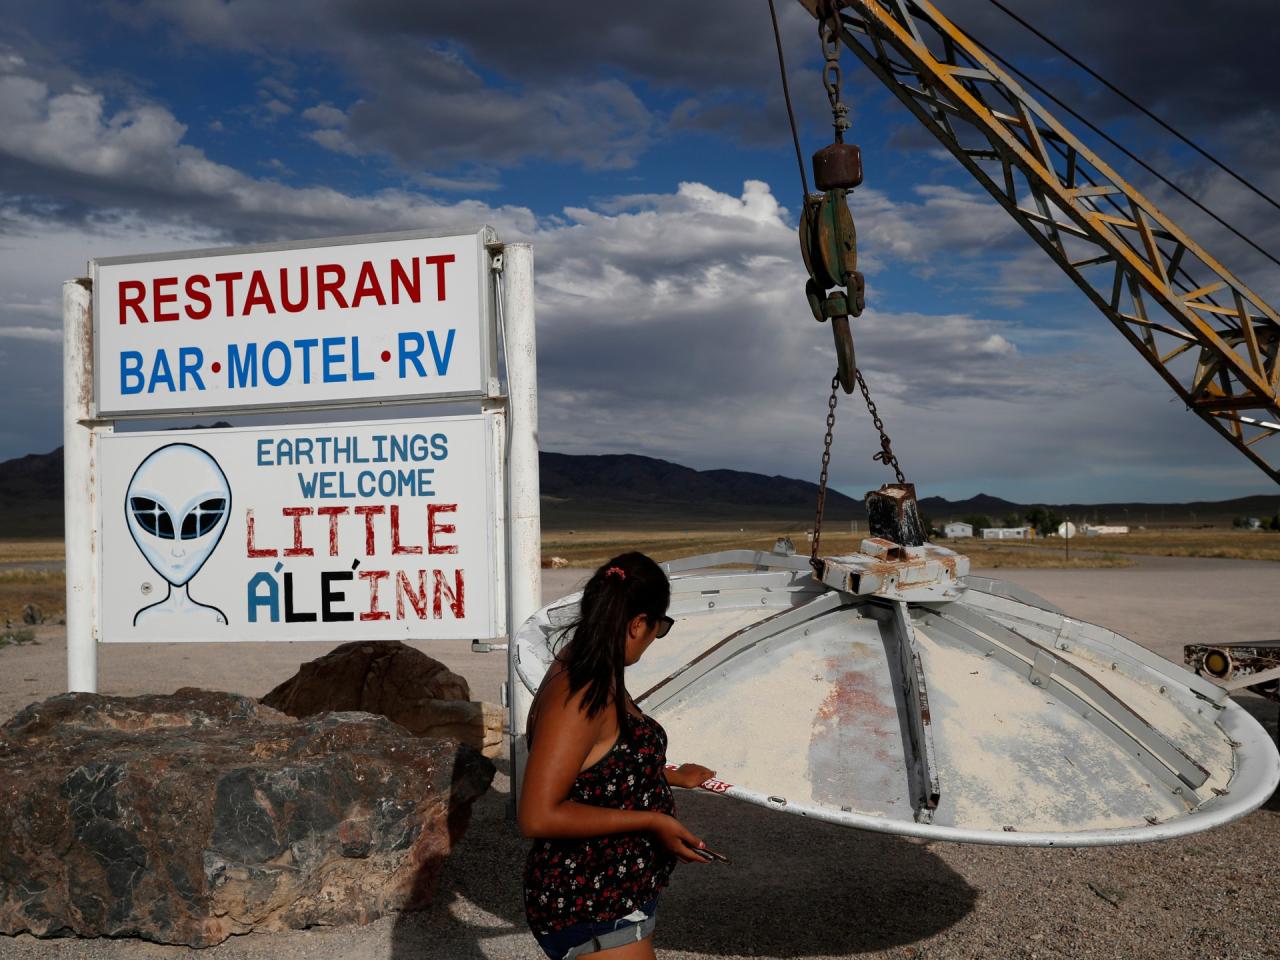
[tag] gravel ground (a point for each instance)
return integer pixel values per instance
(797, 888)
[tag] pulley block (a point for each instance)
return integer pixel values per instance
(829, 245)
(828, 239)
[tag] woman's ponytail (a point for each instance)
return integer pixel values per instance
(625, 587)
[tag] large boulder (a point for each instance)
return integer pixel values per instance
(189, 817)
(398, 682)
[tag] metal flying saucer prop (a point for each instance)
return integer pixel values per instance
(901, 695)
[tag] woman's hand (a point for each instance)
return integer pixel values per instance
(689, 775)
(673, 835)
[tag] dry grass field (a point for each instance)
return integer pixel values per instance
(21, 585)
(43, 589)
(1006, 555)
(31, 551)
(590, 548)
(1218, 542)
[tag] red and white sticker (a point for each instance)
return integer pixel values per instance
(715, 786)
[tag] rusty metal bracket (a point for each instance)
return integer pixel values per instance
(924, 574)
(893, 514)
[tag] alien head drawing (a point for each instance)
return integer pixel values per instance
(177, 507)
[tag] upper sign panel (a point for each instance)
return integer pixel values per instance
(392, 317)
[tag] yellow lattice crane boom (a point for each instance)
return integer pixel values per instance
(1213, 340)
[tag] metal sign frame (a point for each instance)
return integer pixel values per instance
(508, 305)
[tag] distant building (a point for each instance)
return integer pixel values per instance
(1006, 533)
(1102, 530)
(956, 529)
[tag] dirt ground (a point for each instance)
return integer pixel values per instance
(796, 888)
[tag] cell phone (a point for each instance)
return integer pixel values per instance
(710, 854)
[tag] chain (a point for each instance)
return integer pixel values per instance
(829, 26)
(829, 35)
(885, 455)
(822, 479)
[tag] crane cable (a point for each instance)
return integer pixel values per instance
(786, 95)
(885, 454)
(1128, 99)
(1121, 147)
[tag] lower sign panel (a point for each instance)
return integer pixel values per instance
(379, 531)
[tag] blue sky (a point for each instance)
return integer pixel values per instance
(645, 154)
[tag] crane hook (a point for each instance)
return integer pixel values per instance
(828, 238)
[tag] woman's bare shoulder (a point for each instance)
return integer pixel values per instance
(556, 703)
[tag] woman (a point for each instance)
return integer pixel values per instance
(596, 795)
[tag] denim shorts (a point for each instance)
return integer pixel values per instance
(579, 939)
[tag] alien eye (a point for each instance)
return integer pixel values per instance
(203, 518)
(152, 517)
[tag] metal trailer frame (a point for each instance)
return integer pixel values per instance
(1238, 666)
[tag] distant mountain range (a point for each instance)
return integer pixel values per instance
(583, 489)
(607, 489)
(613, 489)
(31, 496)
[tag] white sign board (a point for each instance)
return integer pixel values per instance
(349, 321)
(376, 531)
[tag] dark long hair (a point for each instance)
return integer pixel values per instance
(627, 586)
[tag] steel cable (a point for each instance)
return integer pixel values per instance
(1122, 148)
(1128, 99)
(786, 95)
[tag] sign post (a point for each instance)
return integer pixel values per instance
(525, 542)
(79, 447)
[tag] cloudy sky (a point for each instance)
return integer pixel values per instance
(644, 151)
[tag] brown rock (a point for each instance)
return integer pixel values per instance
(398, 682)
(193, 816)
(476, 723)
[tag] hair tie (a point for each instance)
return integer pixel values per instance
(616, 570)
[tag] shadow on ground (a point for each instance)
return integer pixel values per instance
(1267, 713)
(795, 888)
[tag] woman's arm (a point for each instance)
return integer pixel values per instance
(687, 775)
(564, 738)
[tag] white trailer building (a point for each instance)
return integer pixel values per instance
(1006, 533)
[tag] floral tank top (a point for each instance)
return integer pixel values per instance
(579, 880)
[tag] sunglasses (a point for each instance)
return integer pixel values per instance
(664, 625)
